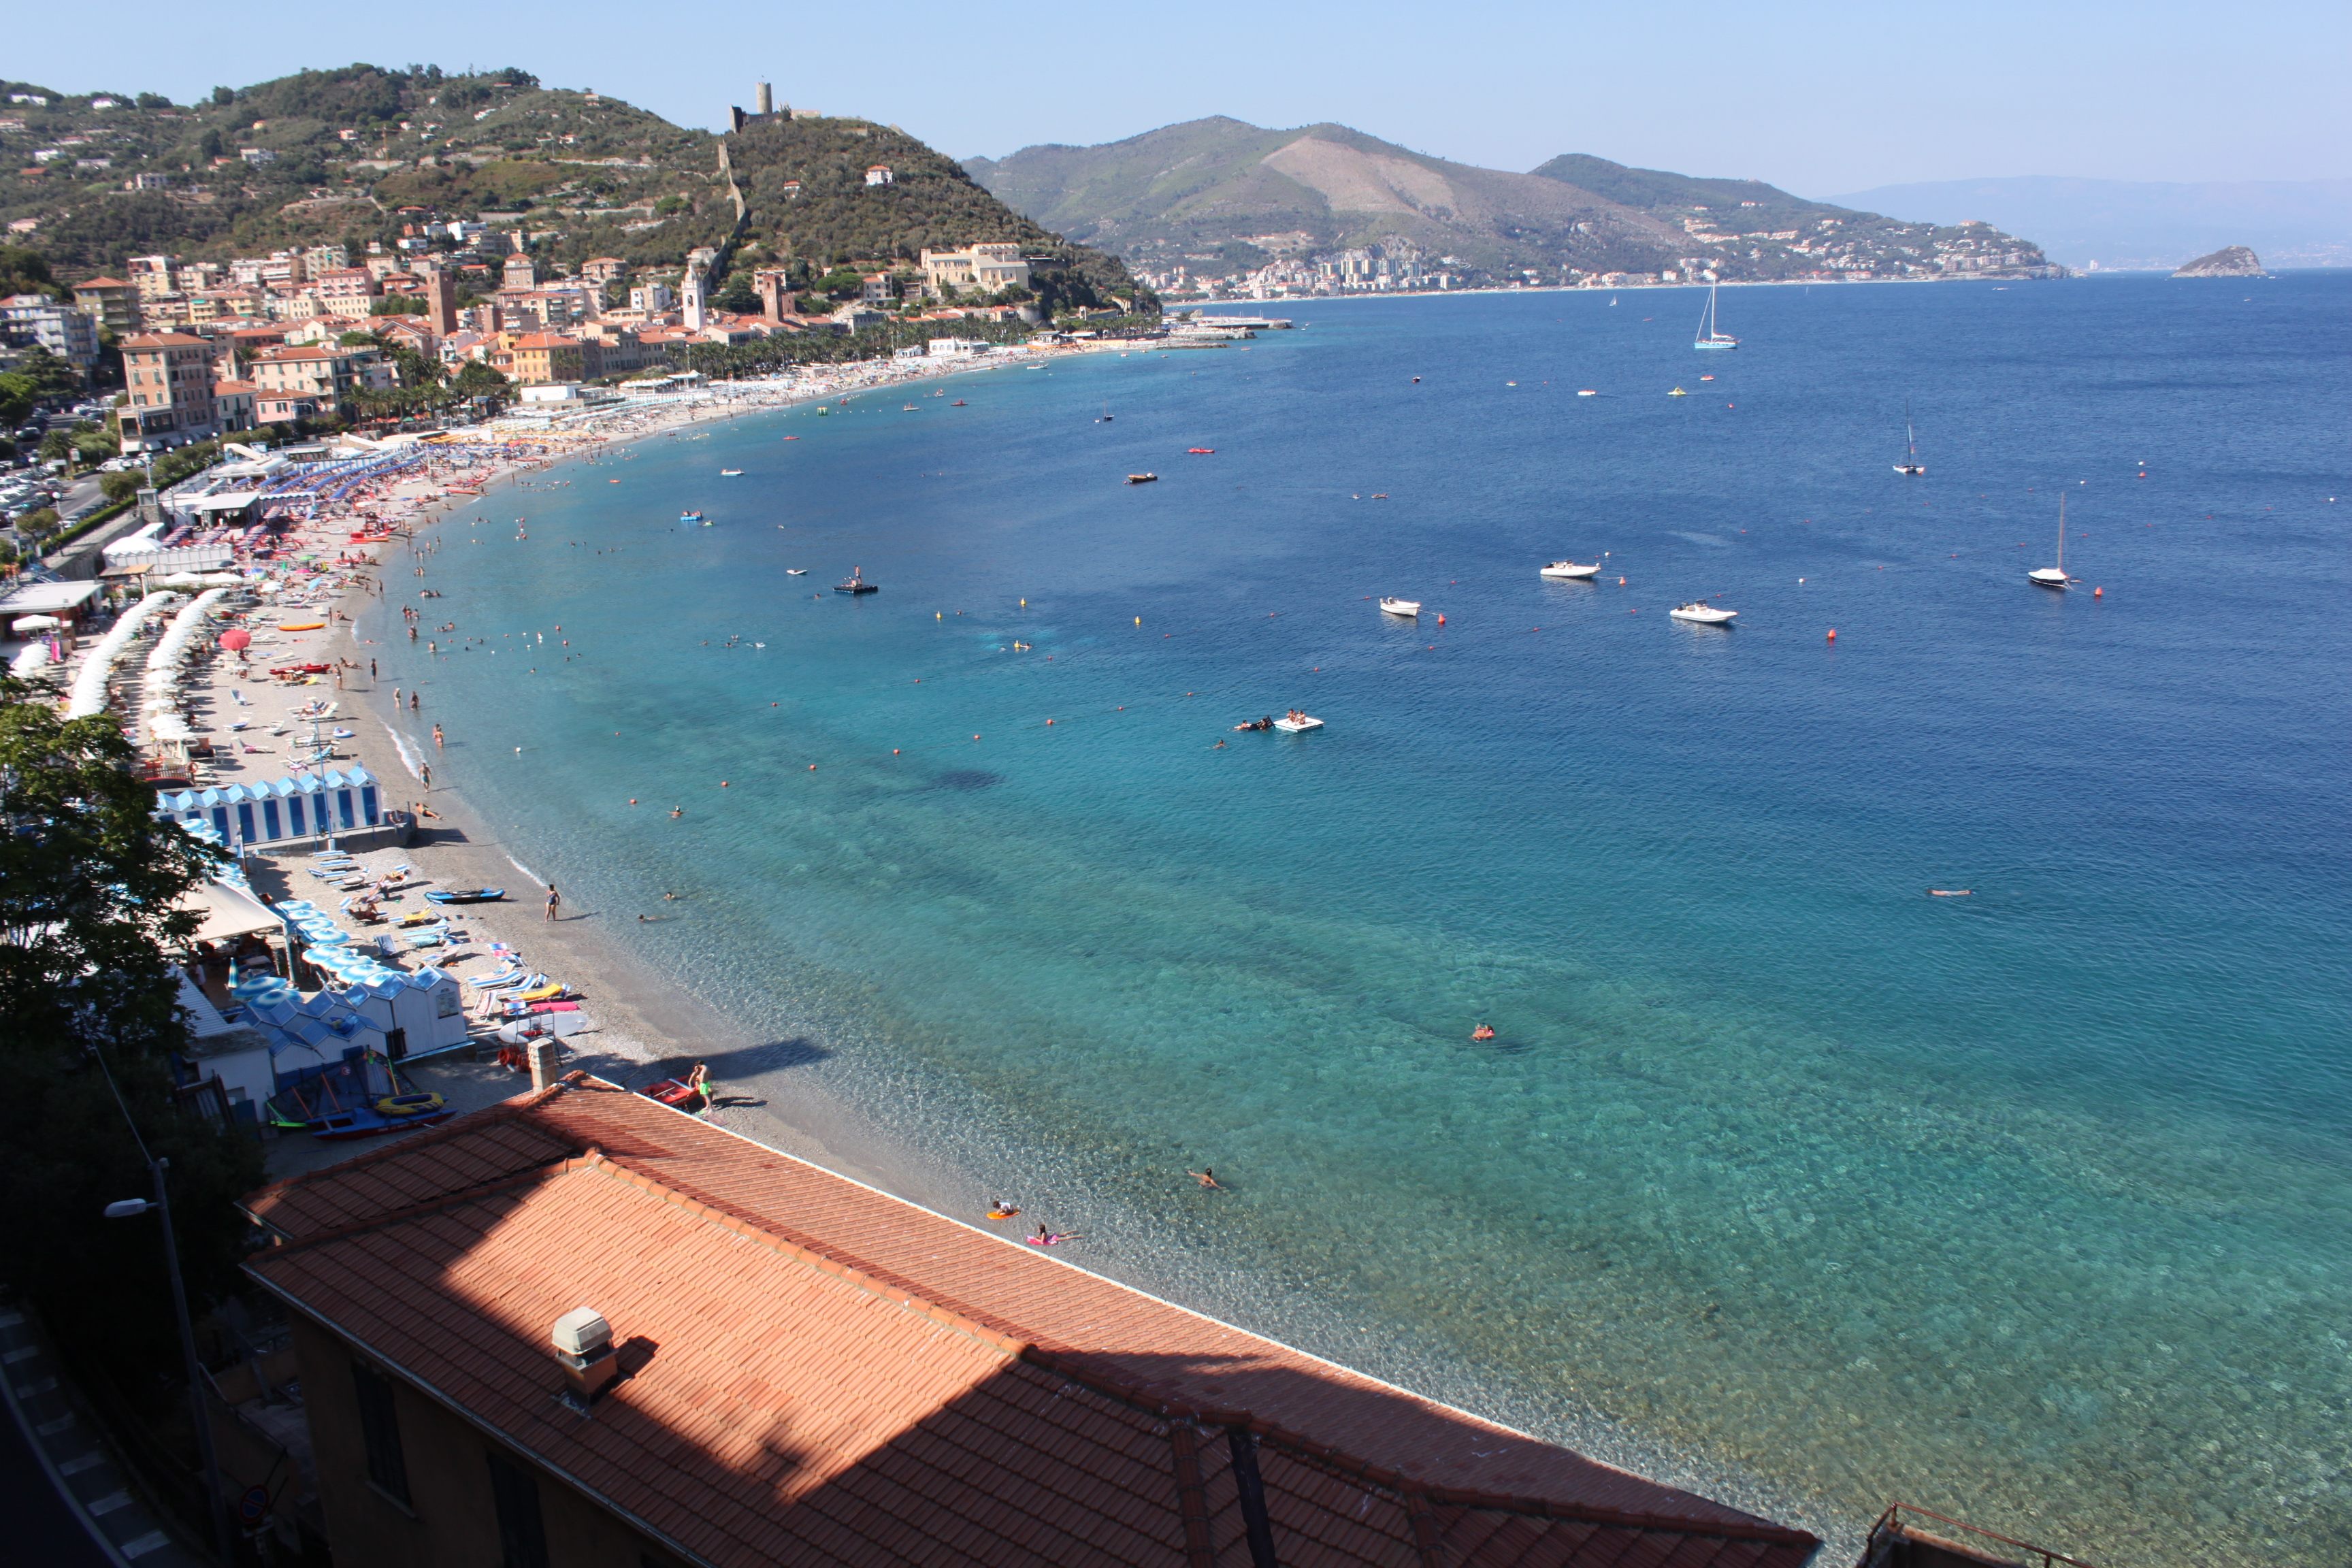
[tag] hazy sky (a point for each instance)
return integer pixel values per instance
(1819, 97)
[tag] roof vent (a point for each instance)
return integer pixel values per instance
(582, 1332)
(583, 1343)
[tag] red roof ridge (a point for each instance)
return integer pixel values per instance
(287, 1247)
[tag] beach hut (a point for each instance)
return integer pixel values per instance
(303, 806)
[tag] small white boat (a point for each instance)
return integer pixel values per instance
(1700, 613)
(1297, 723)
(1406, 607)
(2055, 576)
(1570, 569)
(795, 571)
(730, 473)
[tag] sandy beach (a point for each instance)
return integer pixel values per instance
(642, 1027)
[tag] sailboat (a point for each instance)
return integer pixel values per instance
(1910, 465)
(1709, 336)
(2055, 576)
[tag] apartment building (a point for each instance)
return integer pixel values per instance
(168, 380)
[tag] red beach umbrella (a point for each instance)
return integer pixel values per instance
(236, 639)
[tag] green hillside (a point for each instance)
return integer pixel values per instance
(353, 154)
(1220, 195)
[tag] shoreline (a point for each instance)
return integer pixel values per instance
(935, 1150)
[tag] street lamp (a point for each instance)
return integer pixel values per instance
(131, 1208)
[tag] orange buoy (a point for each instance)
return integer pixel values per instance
(893, 751)
(722, 783)
(1441, 620)
(811, 767)
(2098, 593)
(1049, 722)
(1834, 634)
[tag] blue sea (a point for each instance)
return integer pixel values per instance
(1781, 1176)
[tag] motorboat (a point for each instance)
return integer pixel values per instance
(2055, 576)
(1677, 391)
(1698, 612)
(795, 571)
(730, 473)
(1200, 451)
(1142, 479)
(689, 517)
(1588, 392)
(1570, 570)
(1405, 607)
(856, 582)
(1297, 723)
(959, 403)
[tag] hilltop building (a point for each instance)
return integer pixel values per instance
(986, 267)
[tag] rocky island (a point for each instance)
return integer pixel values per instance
(2230, 261)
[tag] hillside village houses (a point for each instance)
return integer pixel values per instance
(214, 347)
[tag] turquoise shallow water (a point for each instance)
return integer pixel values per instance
(1780, 1175)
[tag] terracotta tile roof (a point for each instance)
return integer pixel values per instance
(819, 1372)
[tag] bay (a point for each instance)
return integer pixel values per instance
(1780, 1178)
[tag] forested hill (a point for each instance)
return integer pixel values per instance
(355, 153)
(1236, 197)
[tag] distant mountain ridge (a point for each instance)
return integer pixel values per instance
(2143, 224)
(1235, 195)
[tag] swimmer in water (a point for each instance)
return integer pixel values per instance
(1207, 1177)
(677, 811)
(1483, 1032)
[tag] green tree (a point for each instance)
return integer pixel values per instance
(739, 296)
(122, 485)
(19, 392)
(91, 878)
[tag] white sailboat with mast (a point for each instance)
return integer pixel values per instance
(1910, 466)
(2055, 576)
(1710, 335)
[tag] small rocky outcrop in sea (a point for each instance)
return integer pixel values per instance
(2230, 261)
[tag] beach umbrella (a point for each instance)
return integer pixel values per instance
(23, 624)
(235, 641)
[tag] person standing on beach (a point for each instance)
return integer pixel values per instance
(371, 672)
(424, 770)
(554, 898)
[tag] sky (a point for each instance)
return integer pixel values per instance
(1818, 98)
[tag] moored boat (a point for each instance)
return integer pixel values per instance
(1698, 612)
(1142, 479)
(856, 582)
(1408, 609)
(1570, 569)
(2055, 576)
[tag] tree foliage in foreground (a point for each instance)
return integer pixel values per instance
(89, 876)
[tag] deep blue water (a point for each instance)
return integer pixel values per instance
(2029, 1205)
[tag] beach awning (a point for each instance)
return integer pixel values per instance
(229, 500)
(229, 912)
